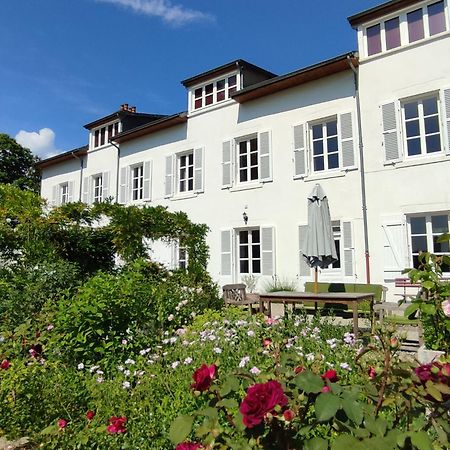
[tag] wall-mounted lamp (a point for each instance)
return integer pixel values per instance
(245, 217)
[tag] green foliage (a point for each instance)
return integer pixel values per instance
(434, 292)
(277, 284)
(17, 165)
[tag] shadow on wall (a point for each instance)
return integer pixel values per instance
(159, 138)
(314, 93)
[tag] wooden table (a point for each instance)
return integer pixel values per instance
(345, 298)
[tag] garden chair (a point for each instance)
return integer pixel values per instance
(235, 294)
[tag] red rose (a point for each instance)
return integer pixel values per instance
(424, 372)
(437, 373)
(260, 400)
(117, 425)
(203, 377)
(371, 372)
(62, 423)
(288, 415)
(5, 364)
(189, 446)
(298, 370)
(325, 389)
(331, 376)
(90, 415)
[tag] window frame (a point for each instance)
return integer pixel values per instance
(422, 132)
(249, 245)
(429, 235)
(105, 132)
(227, 90)
(64, 193)
(237, 144)
(187, 178)
(140, 177)
(403, 28)
(182, 257)
(97, 189)
(311, 140)
(338, 238)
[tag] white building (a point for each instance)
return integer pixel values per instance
(372, 127)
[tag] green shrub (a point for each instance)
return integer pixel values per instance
(277, 284)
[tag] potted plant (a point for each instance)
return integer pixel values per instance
(433, 303)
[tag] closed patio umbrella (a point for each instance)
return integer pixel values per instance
(318, 248)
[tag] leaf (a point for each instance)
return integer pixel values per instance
(228, 403)
(209, 412)
(230, 384)
(180, 428)
(316, 443)
(428, 308)
(50, 429)
(344, 442)
(376, 426)
(353, 409)
(326, 406)
(309, 382)
(428, 285)
(421, 440)
(431, 390)
(411, 309)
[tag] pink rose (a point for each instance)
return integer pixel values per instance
(62, 423)
(117, 425)
(267, 342)
(446, 307)
(325, 389)
(371, 372)
(203, 377)
(261, 399)
(288, 415)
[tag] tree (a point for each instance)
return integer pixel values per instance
(17, 165)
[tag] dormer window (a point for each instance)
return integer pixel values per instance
(101, 136)
(213, 92)
(407, 28)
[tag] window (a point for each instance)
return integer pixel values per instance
(337, 235)
(421, 125)
(325, 149)
(104, 134)
(64, 193)
(424, 232)
(98, 188)
(410, 27)
(186, 172)
(214, 92)
(248, 160)
(137, 182)
(182, 257)
(249, 250)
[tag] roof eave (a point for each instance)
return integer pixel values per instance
(75, 153)
(310, 73)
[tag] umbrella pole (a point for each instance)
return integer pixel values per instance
(316, 281)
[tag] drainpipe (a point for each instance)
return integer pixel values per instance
(81, 174)
(117, 170)
(362, 172)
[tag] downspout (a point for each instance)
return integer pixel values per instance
(117, 170)
(362, 172)
(81, 174)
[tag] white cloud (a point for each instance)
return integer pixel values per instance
(41, 143)
(164, 9)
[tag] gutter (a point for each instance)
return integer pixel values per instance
(362, 172)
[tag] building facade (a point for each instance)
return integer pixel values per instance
(372, 127)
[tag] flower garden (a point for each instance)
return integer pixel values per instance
(94, 356)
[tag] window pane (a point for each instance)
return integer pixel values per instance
(253, 144)
(431, 125)
(243, 237)
(332, 144)
(243, 161)
(433, 143)
(419, 243)
(318, 148)
(392, 28)
(418, 225)
(243, 266)
(243, 176)
(254, 173)
(208, 99)
(256, 266)
(436, 18)
(190, 171)
(439, 247)
(416, 263)
(439, 224)
(220, 96)
(220, 85)
(243, 251)
(373, 40)
(198, 93)
(256, 251)
(232, 81)
(415, 25)
(414, 147)
(430, 106)
(319, 163)
(242, 147)
(333, 161)
(255, 236)
(331, 128)
(190, 185)
(317, 131)
(254, 159)
(412, 128)
(411, 110)
(209, 88)
(198, 103)
(182, 185)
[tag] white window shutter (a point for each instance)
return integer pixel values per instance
(227, 180)
(390, 132)
(395, 254)
(105, 184)
(55, 195)
(70, 191)
(265, 157)
(147, 185)
(347, 140)
(299, 151)
(123, 185)
(305, 270)
(226, 252)
(446, 104)
(169, 176)
(348, 249)
(198, 170)
(267, 251)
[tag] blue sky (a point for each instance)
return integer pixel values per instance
(65, 63)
